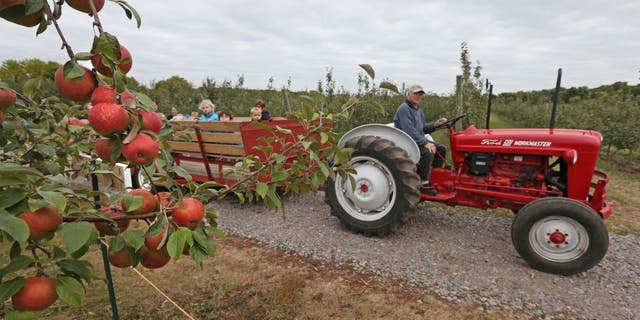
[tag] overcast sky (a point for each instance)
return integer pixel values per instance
(520, 44)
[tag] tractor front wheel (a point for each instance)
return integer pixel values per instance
(385, 187)
(559, 235)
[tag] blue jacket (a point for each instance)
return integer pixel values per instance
(410, 119)
(212, 117)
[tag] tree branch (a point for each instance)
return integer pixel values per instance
(65, 44)
(96, 19)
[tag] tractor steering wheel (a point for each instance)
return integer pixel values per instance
(449, 123)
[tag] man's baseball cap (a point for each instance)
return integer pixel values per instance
(416, 88)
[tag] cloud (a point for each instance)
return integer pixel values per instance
(519, 44)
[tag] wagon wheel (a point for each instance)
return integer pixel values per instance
(559, 235)
(386, 186)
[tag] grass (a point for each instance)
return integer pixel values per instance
(248, 280)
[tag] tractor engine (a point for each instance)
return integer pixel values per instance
(521, 171)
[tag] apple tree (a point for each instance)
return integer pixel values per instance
(49, 220)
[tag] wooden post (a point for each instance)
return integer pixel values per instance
(459, 85)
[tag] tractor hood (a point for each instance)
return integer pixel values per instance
(540, 141)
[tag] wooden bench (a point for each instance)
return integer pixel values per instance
(205, 148)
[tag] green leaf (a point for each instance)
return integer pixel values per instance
(145, 101)
(57, 10)
(11, 287)
(42, 27)
(205, 243)
(15, 250)
(134, 237)
(16, 169)
(216, 232)
(72, 70)
(78, 268)
(279, 158)
(283, 130)
(70, 290)
(324, 168)
(15, 227)
(16, 264)
(279, 176)
(31, 87)
(261, 189)
(119, 81)
(177, 240)
(116, 244)
(35, 204)
(157, 226)
(57, 199)
(20, 315)
(129, 11)
(109, 47)
(389, 86)
(369, 70)
(323, 137)
(33, 6)
(180, 171)
(76, 235)
(10, 197)
(273, 199)
(83, 56)
(132, 202)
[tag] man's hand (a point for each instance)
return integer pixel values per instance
(439, 122)
(431, 147)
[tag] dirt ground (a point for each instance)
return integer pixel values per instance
(248, 280)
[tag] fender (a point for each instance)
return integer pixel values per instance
(397, 136)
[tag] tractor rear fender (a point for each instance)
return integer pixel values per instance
(397, 136)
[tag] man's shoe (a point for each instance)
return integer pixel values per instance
(428, 189)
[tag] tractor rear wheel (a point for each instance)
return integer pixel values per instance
(139, 180)
(386, 186)
(559, 235)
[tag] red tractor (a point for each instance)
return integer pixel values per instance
(547, 177)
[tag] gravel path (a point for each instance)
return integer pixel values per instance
(456, 256)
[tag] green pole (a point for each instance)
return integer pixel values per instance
(105, 259)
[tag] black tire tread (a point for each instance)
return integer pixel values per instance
(407, 177)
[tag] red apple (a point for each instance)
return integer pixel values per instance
(104, 148)
(165, 199)
(42, 222)
(7, 98)
(189, 214)
(150, 121)
(142, 150)
(127, 95)
(154, 259)
(15, 11)
(83, 5)
(38, 293)
(108, 118)
(104, 94)
(149, 202)
(120, 259)
(115, 228)
(152, 242)
(76, 89)
(96, 60)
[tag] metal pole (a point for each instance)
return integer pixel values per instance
(105, 259)
(459, 86)
(555, 100)
(489, 105)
